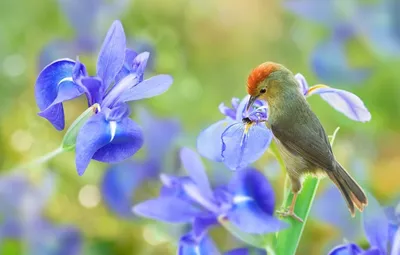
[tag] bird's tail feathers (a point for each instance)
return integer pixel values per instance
(351, 191)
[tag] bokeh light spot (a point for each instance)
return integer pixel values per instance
(153, 236)
(89, 196)
(21, 140)
(14, 65)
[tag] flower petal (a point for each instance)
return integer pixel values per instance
(253, 184)
(94, 134)
(114, 95)
(376, 225)
(151, 87)
(95, 89)
(348, 249)
(241, 109)
(242, 144)
(46, 89)
(127, 141)
(343, 101)
(130, 55)
(119, 184)
(201, 224)
(249, 218)
(246, 251)
(396, 243)
(209, 143)
(314, 11)
(118, 112)
(139, 64)
(167, 209)
(195, 168)
(302, 82)
(188, 245)
(112, 54)
(228, 112)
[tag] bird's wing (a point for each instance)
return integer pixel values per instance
(306, 140)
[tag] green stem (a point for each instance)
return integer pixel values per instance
(42, 159)
(287, 241)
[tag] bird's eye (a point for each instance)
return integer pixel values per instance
(262, 91)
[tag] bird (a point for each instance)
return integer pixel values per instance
(299, 135)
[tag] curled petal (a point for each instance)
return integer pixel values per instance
(112, 54)
(94, 87)
(376, 225)
(228, 112)
(209, 143)
(151, 87)
(248, 217)
(241, 109)
(348, 249)
(139, 64)
(302, 82)
(128, 139)
(190, 245)
(167, 209)
(47, 89)
(242, 144)
(246, 251)
(195, 168)
(119, 184)
(250, 183)
(343, 101)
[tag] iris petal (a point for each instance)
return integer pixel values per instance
(243, 144)
(249, 218)
(302, 82)
(118, 112)
(396, 243)
(167, 209)
(241, 109)
(188, 245)
(202, 223)
(343, 101)
(196, 170)
(112, 54)
(94, 87)
(46, 89)
(348, 249)
(119, 184)
(94, 134)
(376, 225)
(130, 55)
(127, 141)
(246, 251)
(209, 143)
(253, 184)
(151, 87)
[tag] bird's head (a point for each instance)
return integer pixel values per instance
(266, 81)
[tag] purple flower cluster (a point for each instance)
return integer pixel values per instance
(110, 135)
(247, 202)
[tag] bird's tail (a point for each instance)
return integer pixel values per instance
(351, 191)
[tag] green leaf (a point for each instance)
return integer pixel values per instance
(69, 140)
(288, 240)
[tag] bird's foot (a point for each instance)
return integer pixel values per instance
(288, 213)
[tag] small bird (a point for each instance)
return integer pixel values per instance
(299, 135)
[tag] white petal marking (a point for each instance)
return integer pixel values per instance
(113, 128)
(65, 79)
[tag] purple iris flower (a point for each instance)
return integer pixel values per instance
(110, 135)
(234, 141)
(377, 230)
(343, 101)
(121, 181)
(189, 244)
(247, 202)
(22, 218)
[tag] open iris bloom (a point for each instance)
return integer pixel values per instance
(121, 181)
(86, 19)
(110, 135)
(21, 218)
(233, 141)
(383, 237)
(247, 202)
(242, 137)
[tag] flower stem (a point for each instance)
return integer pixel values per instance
(42, 159)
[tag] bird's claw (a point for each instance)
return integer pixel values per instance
(289, 213)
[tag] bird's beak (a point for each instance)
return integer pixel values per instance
(251, 102)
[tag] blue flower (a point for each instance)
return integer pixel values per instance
(110, 135)
(377, 230)
(22, 217)
(247, 201)
(343, 101)
(120, 181)
(233, 141)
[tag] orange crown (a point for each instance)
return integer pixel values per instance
(259, 74)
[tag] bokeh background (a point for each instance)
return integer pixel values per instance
(209, 47)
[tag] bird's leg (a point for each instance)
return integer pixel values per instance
(289, 212)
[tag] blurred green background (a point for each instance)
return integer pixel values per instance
(209, 47)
